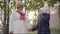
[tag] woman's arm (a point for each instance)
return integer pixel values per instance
(11, 24)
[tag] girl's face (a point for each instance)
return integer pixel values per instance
(41, 12)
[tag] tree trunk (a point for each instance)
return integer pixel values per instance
(4, 23)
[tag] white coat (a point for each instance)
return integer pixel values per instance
(16, 25)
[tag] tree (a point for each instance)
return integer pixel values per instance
(30, 5)
(36, 4)
(33, 5)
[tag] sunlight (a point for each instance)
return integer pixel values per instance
(0, 22)
(53, 12)
(31, 22)
(31, 15)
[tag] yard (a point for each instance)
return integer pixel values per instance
(53, 31)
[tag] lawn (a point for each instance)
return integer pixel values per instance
(53, 31)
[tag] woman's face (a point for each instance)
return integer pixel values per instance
(20, 7)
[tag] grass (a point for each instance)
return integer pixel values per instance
(53, 31)
(1, 33)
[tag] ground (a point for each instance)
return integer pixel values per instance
(53, 31)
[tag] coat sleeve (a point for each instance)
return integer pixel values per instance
(11, 24)
(29, 26)
(36, 27)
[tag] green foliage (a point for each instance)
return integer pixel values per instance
(29, 4)
(52, 2)
(33, 4)
(1, 6)
(36, 4)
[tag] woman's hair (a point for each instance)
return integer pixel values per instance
(18, 4)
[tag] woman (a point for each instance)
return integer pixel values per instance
(18, 21)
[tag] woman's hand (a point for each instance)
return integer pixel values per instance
(11, 32)
(29, 30)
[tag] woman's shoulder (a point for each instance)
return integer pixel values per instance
(14, 11)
